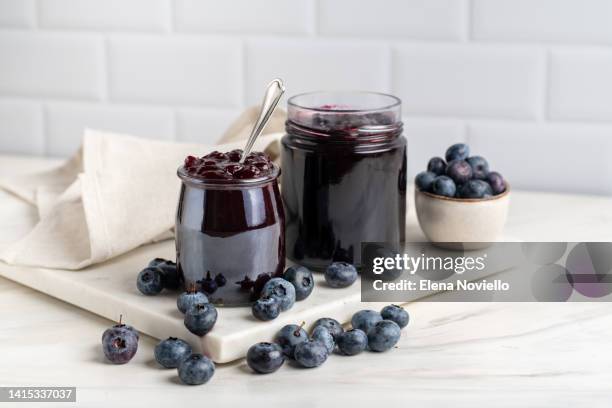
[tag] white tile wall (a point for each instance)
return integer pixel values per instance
(547, 157)
(66, 122)
(573, 21)
(16, 13)
(181, 70)
(246, 16)
(21, 128)
(422, 19)
(518, 79)
(50, 65)
(581, 84)
(203, 125)
(308, 65)
(469, 80)
(148, 15)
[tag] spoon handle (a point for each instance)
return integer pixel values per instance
(273, 94)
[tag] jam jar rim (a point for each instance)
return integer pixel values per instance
(227, 183)
(397, 102)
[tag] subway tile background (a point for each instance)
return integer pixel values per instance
(528, 83)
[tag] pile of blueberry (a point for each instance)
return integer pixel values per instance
(376, 331)
(297, 283)
(460, 176)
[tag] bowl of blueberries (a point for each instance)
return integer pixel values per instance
(460, 200)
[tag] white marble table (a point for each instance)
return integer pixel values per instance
(452, 355)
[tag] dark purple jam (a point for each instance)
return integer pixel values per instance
(344, 176)
(226, 166)
(229, 226)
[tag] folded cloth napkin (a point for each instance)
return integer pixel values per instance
(117, 193)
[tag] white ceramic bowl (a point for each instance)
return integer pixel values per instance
(446, 220)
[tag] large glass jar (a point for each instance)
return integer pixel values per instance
(344, 175)
(230, 232)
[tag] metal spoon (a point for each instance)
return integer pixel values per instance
(274, 91)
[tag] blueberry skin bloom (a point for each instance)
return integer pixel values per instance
(475, 189)
(384, 335)
(196, 369)
(332, 325)
(340, 274)
(444, 186)
(266, 308)
(460, 171)
(265, 358)
(480, 167)
(352, 342)
(281, 289)
(436, 165)
(458, 151)
(119, 344)
(322, 335)
(301, 279)
(150, 281)
(396, 314)
(201, 318)
(497, 182)
(186, 300)
(310, 354)
(170, 353)
(365, 320)
(289, 337)
(424, 180)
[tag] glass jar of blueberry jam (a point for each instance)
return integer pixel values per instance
(229, 226)
(344, 175)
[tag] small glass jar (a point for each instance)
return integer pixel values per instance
(231, 233)
(344, 175)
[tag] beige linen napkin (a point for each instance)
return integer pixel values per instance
(117, 193)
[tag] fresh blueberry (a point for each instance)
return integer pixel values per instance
(201, 318)
(186, 300)
(301, 279)
(332, 325)
(352, 342)
(384, 335)
(150, 281)
(444, 186)
(396, 314)
(480, 167)
(196, 369)
(281, 289)
(170, 353)
(475, 189)
(310, 354)
(265, 358)
(365, 320)
(437, 166)
(340, 275)
(323, 335)
(497, 182)
(458, 151)
(290, 336)
(424, 180)
(266, 308)
(169, 272)
(120, 343)
(460, 171)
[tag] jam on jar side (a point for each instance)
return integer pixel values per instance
(344, 175)
(229, 226)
